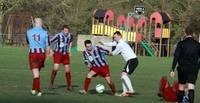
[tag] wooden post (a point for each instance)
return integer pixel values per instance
(149, 38)
(1, 23)
(1, 31)
(145, 34)
(93, 24)
(160, 46)
(168, 42)
(136, 31)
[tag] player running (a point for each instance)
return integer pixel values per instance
(63, 44)
(38, 42)
(94, 58)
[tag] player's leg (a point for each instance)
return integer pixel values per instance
(181, 93)
(128, 70)
(193, 74)
(53, 75)
(191, 92)
(111, 84)
(124, 87)
(87, 82)
(57, 59)
(66, 63)
(182, 83)
(36, 62)
(127, 82)
(36, 82)
(68, 77)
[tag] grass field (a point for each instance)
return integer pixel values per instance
(16, 80)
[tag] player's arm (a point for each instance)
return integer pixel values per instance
(110, 44)
(105, 51)
(54, 39)
(70, 45)
(85, 59)
(175, 60)
(27, 38)
(117, 50)
(176, 56)
(27, 41)
(47, 45)
(199, 56)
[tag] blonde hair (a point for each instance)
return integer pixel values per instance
(38, 22)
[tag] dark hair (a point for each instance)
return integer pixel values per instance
(87, 42)
(65, 26)
(118, 33)
(189, 30)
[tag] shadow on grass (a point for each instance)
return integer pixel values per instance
(64, 86)
(106, 92)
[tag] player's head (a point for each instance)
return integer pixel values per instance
(88, 44)
(38, 22)
(188, 30)
(117, 36)
(65, 29)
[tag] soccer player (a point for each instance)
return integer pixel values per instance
(94, 58)
(38, 41)
(130, 57)
(63, 44)
(187, 55)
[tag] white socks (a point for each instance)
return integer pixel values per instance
(126, 84)
(124, 87)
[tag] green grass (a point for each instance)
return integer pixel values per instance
(16, 80)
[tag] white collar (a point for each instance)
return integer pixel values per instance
(120, 40)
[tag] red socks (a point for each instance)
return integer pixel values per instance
(68, 78)
(112, 87)
(53, 75)
(87, 83)
(36, 84)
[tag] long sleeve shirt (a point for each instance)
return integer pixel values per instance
(122, 48)
(187, 53)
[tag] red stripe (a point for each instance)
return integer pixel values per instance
(58, 42)
(101, 57)
(84, 57)
(54, 39)
(40, 49)
(63, 38)
(97, 58)
(48, 41)
(67, 46)
(92, 63)
(35, 50)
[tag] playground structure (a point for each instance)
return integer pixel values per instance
(151, 42)
(14, 27)
(160, 23)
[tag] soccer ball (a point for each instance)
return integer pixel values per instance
(100, 88)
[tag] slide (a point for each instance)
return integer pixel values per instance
(147, 48)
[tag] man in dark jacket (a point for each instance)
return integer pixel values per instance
(187, 55)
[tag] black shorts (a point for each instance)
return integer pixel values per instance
(130, 66)
(187, 74)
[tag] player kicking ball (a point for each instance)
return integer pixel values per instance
(38, 41)
(130, 57)
(94, 58)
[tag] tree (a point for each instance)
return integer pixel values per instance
(7, 6)
(78, 13)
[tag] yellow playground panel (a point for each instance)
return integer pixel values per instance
(165, 33)
(99, 29)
